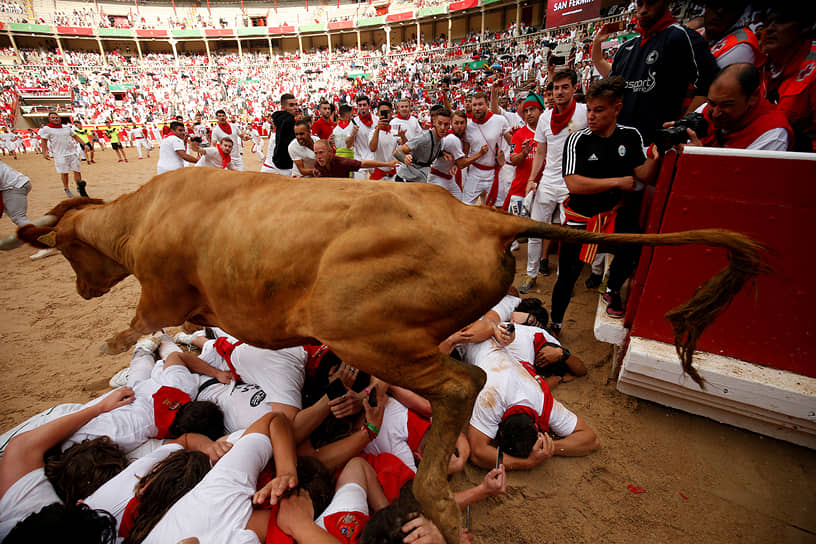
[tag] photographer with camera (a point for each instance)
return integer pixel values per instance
(736, 116)
(600, 164)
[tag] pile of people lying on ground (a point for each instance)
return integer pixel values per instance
(212, 438)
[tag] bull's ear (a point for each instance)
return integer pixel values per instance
(39, 237)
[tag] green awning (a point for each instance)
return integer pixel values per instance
(120, 88)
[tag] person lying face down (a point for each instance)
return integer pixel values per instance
(515, 410)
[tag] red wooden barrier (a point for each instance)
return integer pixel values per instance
(768, 196)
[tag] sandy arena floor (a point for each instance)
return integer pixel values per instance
(704, 481)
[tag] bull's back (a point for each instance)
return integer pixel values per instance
(313, 258)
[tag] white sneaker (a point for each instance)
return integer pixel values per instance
(43, 253)
(120, 379)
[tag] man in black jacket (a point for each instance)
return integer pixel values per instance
(280, 162)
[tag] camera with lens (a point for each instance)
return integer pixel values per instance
(665, 138)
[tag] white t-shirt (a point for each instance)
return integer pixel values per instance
(361, 150)
(393, 437)
(115, 494)
(27, 495)
(242, 404)
(11, 178)
(339, 136)
(280, 373)
(551, 176)
(218, 134)
(509, 384)
(301, 153)
(490, 132)
(137, 133)
(132, 424)
(411, 126)
(385, 147)
(168, 158)
(212, 159)
(60, 140)
(217, 510)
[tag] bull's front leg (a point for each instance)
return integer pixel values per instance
(157, 308)
(452, 399)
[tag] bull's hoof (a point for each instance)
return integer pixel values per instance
(111, 347)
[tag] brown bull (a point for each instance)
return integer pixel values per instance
(380, 272)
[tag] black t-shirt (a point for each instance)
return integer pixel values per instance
(658, 75)
(592, 156)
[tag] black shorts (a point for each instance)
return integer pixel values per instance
(116, 145)
(88, 146)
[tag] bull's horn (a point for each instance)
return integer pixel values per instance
(12, 242)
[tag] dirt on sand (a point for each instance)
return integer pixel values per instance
(704, 481)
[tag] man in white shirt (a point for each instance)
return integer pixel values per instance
(172, 150)
(405, 120)
(224, 129)
(382, 143)
(137, 136)
(365, 122)
(552, 130)
(62, 143)
(515, 407)
(485, 129)
(449, 169)
(345, 133)
(301, 149)
(218, 156)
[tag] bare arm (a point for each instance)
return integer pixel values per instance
(25, 451)
(374, 142)
(582, 185)
(197, 365)
(351, 139)
(381, 164)
(303, 170)
(582, 441)
(464, 162)
(596, 53)
(539, 160)
(647, 172)
(44, 148)
(186, 156)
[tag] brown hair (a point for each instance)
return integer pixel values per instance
(610, 88)
(159, 489)
(81, 469)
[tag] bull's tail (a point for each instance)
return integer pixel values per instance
(746, 260)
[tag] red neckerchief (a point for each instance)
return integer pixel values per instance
(226, 128)
(129, 516)
(52, 125)
(225, 159)
(403, 118)
(559, 121)
(469, 115)
(367, 120)
(484, 120)
(343, 124)
(660, 25)
(764, 117)
(225, 348)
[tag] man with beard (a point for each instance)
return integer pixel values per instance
(552, 130)
(485, 129)
(417, 155)
(365, 122)
(323, 127)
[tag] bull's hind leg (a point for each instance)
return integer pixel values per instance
(452, 395)
(157, 308)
